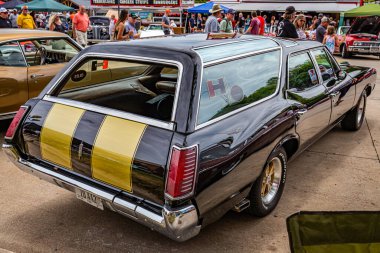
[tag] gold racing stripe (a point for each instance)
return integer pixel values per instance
(114, 150)
(57, 133)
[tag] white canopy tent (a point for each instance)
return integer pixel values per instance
(280, 7)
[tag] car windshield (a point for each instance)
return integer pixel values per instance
(369, 25)
(100, 21)
(155, 27)
(344, 29)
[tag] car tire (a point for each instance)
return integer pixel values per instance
(345, 53)
(354, 118)
(268, 187)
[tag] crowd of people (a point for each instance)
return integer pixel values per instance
(290, 25)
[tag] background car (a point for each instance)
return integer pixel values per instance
(153, 30)
(100, 29)
(29, 59)
(362, 37)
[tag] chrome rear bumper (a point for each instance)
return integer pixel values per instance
(179, 224)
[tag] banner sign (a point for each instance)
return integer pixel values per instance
(155, 3)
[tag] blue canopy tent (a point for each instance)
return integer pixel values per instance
(205, 8)
(11, 4)
(45, 5)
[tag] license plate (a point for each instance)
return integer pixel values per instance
(89, 198)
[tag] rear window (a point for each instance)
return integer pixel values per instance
(145, 89)
(232, 85)
(100, 21)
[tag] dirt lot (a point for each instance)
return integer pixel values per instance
(339, 172)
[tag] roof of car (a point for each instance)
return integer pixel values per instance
(17, 34)
(188, 42)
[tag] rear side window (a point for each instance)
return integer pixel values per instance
(11, 55)
(324, 63)
(302, 74)
(145, 89)
(229, 86)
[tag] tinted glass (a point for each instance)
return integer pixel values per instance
(324, 64)
(229, 86)
(123, 85)
(11, 55)
(42, 52)
(100, 21)
(302, 74)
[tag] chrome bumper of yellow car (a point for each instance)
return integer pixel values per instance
(179, 224)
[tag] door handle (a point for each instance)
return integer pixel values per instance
(334, 94)
(300, 112)
(34, 76)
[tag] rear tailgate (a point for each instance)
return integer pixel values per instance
(120, 153)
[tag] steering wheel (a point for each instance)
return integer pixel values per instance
(42, 51)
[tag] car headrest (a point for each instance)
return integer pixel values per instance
(166, 86)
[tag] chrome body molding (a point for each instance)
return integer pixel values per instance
(179, 224)
(8, 115)
(121, 58)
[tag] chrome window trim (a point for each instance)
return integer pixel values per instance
(126, 115)
(231, 42)
(210, 122)
(111, 112)
(236, 57)
(79, 47)
(307, 51)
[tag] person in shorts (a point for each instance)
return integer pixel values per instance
(81, 23)
(166, 22)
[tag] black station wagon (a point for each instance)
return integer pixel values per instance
(174, 132)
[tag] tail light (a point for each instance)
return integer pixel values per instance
(15, 122)
(182, 172)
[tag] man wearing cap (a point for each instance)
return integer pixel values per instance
(286, 28)
(166, 22)
(24, 20)
(321, 29)
(4, 20)
(212, 25)
(130, 27)
(13, 18)
(226, 24)
(81, 22)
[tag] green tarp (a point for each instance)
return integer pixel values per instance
(365, 10)
(45, 5)
(334, 232)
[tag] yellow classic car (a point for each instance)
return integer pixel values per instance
(29, 59)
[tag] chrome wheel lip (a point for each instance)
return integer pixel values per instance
(360, 113)
(275, 181)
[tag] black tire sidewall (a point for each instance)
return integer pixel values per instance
(258, 208)
(362, 96)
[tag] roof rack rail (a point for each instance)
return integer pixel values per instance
(218, 36)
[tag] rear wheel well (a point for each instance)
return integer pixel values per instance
(291, 147)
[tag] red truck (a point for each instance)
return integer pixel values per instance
(362, 37)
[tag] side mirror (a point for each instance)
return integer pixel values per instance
(331, 82)
(344, 63)
(342, 75)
